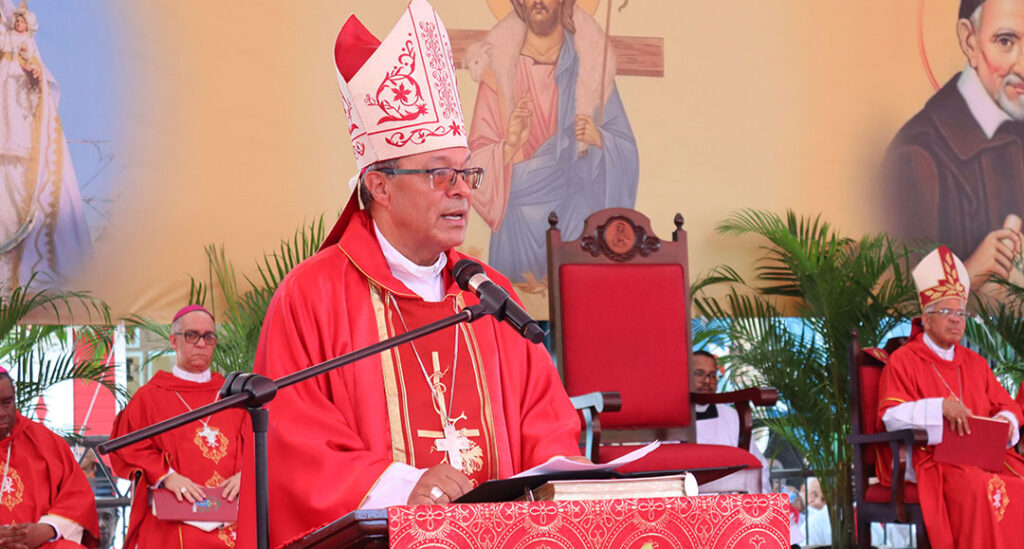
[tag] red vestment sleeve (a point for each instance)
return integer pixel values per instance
(142, 457)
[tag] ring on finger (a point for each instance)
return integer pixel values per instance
(182, 489)
(436, 493)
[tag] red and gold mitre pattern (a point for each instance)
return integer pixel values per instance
(399, 95)
(941, 275)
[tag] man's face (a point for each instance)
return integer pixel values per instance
(995, 51)
(543, 16)
(814, 497)
(194, 357)
(8, 414)
(705, 375)
(945, 330)
(427, 220)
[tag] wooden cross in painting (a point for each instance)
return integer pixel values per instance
(636, 55)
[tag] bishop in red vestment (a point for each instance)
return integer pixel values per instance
(190, 460)
(45, 498)
(427, 421)
(933, 379)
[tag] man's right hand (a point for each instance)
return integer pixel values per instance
(451, 483)
(957, 414)
(184, 488)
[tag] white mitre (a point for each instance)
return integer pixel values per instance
(400, 95)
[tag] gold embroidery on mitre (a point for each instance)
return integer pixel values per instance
(215, 481)
(13, 489)
(997, 497)
(949, 285)
(212, 442)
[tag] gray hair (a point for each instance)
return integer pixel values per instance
(365, 196)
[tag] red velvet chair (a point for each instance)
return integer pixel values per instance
(621, 322)
(898, 503)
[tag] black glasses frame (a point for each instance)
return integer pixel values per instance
(192, 337)
(473, 176)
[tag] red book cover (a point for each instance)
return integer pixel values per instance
(984, 447)
(213, 509)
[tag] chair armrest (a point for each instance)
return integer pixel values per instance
(903, 437)
(914, 436)
(608, 401)
(759, 396)
(590, 406)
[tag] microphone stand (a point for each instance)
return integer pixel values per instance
(253, 391)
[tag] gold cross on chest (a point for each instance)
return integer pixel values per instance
(452, 441)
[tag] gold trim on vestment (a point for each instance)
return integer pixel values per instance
(481, 379)
(398, 448)
(403, 389)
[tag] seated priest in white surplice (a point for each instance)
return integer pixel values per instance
(720, 424)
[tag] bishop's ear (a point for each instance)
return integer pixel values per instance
(376, 187)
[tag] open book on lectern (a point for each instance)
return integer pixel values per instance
(560, 468)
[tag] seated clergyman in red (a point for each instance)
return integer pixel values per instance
(45, 498)
(933, 379)
(424, 423)
(190, 461)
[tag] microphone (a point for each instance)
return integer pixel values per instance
(472, 278)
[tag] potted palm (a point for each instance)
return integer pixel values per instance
(40, 356)
(245, 298)
(790, 328)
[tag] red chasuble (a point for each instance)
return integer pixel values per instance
(963, 506)
(206, 454)
(332, 437)
(43, 478)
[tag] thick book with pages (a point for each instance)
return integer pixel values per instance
(670, 486)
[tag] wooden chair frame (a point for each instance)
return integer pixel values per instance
(897, 509)
(637, 244)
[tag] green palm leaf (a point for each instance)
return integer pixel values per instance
(827, 285)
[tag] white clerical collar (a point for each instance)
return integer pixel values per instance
(424, 281)
(987, 113)
(701, 407)
(944, 354)
(201, 377)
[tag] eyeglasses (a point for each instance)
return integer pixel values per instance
(192, 337)
(959, 313)
(443, 177)
(712, 375)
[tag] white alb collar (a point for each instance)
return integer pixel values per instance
(201, 377)
(424, 281)
(987, 113)
(944, 354)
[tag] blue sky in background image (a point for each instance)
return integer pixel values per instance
(76, 42)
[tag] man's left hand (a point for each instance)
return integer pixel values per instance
(231, 486)
(26, 535)
(587, 132)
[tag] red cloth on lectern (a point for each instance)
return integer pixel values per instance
(45, 479)
(963, 506)
(332, 437)
(184, 449)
